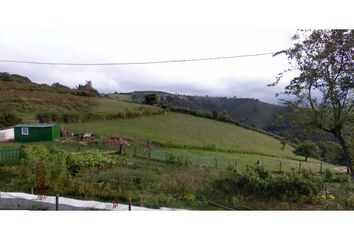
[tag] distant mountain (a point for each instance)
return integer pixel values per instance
(245, 110)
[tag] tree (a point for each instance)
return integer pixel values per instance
(323, 86)
(306, 149)
(151, 99)
(330, 152)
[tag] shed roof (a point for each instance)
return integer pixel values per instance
(36, 125)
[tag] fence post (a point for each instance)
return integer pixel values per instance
(130, 204)
(321, 168)
(216, 162)
(299, 167)
(57, 202)
(134, 151)
(235, 163)
(280, 166)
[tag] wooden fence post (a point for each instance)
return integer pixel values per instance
(280, 166)
(130, 204)
(299, 167)
(216, 162)
(321, 168)
(57, 202)
(235, 163)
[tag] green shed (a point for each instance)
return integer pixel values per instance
(36, 132)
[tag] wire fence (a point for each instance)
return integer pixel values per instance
(183, 159)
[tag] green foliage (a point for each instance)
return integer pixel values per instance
(100, 175)
(151, 99)
(307, 149)
(70, 117)
(331, 152)
(323, 86)
(248, 111)
(75, 117)
(45, 117)
(90, 159)
(4, 76)
(9, 119)
(43, 169)
(258, 182)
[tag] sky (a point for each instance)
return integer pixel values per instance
(104, 31)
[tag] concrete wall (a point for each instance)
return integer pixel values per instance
(25, 201)
(7, 135)
(25, 204)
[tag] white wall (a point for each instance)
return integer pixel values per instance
(7, 134)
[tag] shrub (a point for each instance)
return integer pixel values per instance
(9, 119)
(70, 117)
(43, 169)
(258, 182)
(44, 117)
(151, 99)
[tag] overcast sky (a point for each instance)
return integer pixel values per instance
(104, 31)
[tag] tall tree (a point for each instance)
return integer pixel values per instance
(322, 61)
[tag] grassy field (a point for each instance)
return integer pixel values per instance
(185, 131)
(240, 161)
(107, 105)
(197, 137)
(25, 98)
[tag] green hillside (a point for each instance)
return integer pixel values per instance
(25, 98)
(186, 134)
(172, 159)
(245, 110)
(185, 130)
(136, 122)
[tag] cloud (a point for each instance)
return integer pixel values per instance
(243, 77)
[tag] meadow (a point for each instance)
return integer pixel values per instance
(194, 138)
(184, 131)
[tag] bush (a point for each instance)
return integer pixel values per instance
(151, 99)
(9, 119)
(44, 117)
(43, 169)
(70, 117)
(258, 182)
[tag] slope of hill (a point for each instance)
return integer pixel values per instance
(183, 133)
(245, 110)
(186, 130)
(25, 98)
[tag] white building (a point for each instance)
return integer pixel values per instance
(7, 135)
